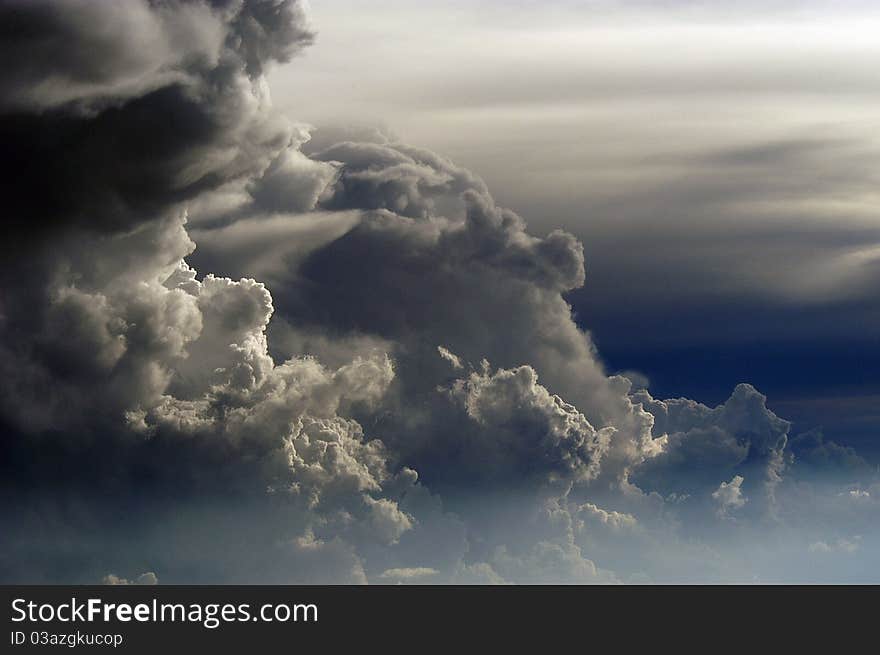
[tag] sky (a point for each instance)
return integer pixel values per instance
(385, 293)
(719, 165)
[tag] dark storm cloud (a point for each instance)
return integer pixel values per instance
(435, 262)
(74, 51)
(422, 343)
(401, 178)
(125, 377)
(101, 173)
(390, 253)
(129, 378)
(90, 55)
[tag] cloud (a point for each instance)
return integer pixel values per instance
(407, 574)
(618, 521)
(148, 578)
(816, 454)
(729, 496)
(453, 359)
(434, 261)
(513, 429)
(78, 52)
(147, 379)
(705, 446)
(370, 372)
(839, 546)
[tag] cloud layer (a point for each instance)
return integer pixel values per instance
(404, 396)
